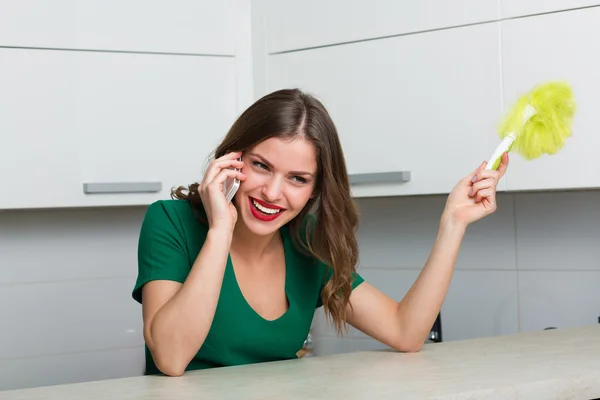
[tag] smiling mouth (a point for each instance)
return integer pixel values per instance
(263, 211)
(262, 207)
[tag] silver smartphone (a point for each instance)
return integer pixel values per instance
(230, 186)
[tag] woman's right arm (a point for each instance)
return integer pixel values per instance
(177, 317)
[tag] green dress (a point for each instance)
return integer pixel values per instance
(170, 240)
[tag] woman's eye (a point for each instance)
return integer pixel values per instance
(259, 164)
(297, 179)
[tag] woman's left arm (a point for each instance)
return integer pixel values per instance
(405, 325)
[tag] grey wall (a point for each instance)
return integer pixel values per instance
(66, 278)
(533, 264)
(65, 304)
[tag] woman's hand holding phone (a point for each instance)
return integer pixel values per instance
(221, 214)
(231, 186)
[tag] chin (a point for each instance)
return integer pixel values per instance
(260, 223)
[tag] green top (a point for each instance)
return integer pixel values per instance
(170, 240)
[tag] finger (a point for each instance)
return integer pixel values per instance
(230, 156)
(224, 174)
(490, 173)
(487, 174)
(215, 187)
(503, 164)
(220, 164)
(472, 175)
(215, 173)
(226, 163)
(483, 184)
(486, 194)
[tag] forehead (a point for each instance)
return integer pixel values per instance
(288, 154)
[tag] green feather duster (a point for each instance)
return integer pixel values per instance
(539, 123)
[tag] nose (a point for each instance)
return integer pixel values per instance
(271, 190)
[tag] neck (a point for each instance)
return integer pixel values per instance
(252, 246)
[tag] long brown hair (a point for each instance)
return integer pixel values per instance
(330, 237)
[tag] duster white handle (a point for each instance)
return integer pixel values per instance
(503, 147)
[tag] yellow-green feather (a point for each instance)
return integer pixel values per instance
(547, 131)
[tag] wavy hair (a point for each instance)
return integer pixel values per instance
(330, 235)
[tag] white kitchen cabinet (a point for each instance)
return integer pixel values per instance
(149, 119)
(427, 104)
(182, 26)
(77, 118)
(517, 8)
(560, 46)
(38, 152)
(292, 25)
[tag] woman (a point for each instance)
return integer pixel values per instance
(237, 283)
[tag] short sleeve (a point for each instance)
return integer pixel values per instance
(356, 281)
(161, 249)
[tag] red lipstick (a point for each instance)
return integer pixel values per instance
(261, 215)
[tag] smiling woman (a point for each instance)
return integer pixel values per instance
(273, 188)
(209, 270)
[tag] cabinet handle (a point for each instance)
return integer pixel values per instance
(122, 187)
(380, 177)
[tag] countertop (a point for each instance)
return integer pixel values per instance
(553, 364)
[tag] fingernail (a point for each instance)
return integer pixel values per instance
(471, 192)
(474, 178)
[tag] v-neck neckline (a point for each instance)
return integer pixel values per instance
(286, 256)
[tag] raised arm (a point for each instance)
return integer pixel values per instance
(405, 325)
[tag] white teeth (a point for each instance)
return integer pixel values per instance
(264, 209)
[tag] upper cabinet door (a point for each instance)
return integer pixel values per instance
(95, 128)
(38, 152)
(182, 26)
(426, 104)
(516, 8)
(550, 47)
(145, 121)
(292, 25)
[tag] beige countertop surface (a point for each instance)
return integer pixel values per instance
(554, 364)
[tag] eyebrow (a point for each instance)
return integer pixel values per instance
(268, 164)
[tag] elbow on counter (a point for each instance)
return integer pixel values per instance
(408, 346)
(169, 359)
(170, 370)
(169, 366)
(411, 347)
(408, 343)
